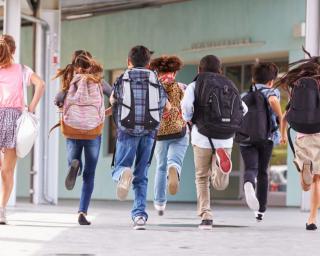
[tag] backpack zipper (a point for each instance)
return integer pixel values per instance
(234, 98)
(217, 101)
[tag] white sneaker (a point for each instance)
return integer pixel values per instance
(124, 184)
(251, 198)
(139, 223)
(159, 208)
(3, 219)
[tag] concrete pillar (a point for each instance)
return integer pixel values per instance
(12, 26)
(47, 62)
(312, 45)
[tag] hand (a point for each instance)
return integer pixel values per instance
(283, 140)
(31, 109)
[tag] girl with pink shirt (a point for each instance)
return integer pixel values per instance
(11, 105)
(302, 113)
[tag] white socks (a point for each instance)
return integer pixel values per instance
(251, 198)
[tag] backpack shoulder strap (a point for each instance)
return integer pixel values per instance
(290, 141)
(212, 146)
(54, 127)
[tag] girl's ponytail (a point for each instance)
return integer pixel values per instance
(82, 63)
(66, 75)
(6, 58)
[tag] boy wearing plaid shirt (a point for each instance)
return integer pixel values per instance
(137, 117)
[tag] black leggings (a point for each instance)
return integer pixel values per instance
(256, 162)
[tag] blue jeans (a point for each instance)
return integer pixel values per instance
(128, 149)
(91, 155)
(168, 153)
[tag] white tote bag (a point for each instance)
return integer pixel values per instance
(27, 126)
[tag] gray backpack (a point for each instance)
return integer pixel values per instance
(139, 98)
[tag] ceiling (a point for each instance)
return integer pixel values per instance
(73, 9)
(77, 9)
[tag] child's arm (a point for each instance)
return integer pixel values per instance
(108, 111)
(283, 131)
(39, 90)
(167, 107)
(276, 107)
(59, 99)
(107, 88)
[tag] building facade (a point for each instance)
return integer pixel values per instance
(238, 31)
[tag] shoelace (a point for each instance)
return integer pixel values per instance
(140, 220)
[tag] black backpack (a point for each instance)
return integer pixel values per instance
(218, 110)
(256, 126)
(303, 112)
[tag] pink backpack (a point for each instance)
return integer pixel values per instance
(83, 109)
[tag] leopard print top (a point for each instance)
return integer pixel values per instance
(172, 121)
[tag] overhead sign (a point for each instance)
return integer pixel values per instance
(224, 43)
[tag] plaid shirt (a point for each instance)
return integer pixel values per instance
(138, 83)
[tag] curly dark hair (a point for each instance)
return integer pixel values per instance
(165, 64)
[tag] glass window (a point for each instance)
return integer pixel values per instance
(247, 77)
(234, 73)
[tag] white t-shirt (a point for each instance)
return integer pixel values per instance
(197, 138)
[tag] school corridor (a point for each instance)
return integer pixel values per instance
(53, 230)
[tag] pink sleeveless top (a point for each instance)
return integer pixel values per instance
(11, 91)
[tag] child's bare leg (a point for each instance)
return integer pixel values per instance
(315, 199)
(7, 175)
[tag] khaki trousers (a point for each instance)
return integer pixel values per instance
(206, 167)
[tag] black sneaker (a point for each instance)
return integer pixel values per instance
(72, 174)
(205, 225)
(259, 216)
(82, 220)
(311, 226)
(139, 223)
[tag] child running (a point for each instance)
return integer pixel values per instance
(211, 156)
(256, 156)
(172, 137)
(138, 101)
(303, 115)
(82, 122)
(12, 79)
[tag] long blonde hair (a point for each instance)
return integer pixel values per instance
(82, 63)
(7, 49)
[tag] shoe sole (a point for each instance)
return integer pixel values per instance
(3, 223)
(307, 176)
(72, 175)
(205, 227)
(161, 213)
(223, 160)
(139, 228)
(251, 199)
(124, 184)
(312, 228)
(173, 180)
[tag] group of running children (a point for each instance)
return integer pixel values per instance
(155, 115)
